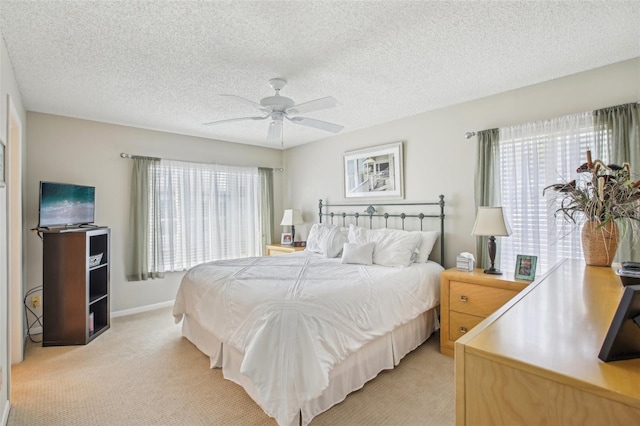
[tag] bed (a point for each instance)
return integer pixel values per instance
(300, 332)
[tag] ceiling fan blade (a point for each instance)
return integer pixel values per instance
(248, 102)
(275, 131)
(213, 123)
(315, 105)
(322, 125)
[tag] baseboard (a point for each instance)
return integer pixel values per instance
(140, 309)
(5, 413)
(122, 313)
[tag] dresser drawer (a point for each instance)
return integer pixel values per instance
(477, 300)
(459, 324)
(467, 298)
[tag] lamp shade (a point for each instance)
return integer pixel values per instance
(490, 221)
(291, 217)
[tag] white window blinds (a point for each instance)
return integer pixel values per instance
(531, 157)
(205, 212)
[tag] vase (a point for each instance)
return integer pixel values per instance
(600, 243)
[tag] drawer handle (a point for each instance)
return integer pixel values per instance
(463, 298)
(463, 330)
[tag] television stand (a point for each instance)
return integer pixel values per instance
(75, 285)
(68, 228)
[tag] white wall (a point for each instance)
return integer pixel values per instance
(437, 157)
(63, 149)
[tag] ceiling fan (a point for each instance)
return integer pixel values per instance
(278, 108)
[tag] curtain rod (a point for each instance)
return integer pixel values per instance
(469, 135)
(130, 156)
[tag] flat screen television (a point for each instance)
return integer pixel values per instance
(65, 204)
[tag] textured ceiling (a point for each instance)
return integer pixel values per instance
(161, 64)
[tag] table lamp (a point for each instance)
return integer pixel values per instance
(490, 222)
(292, 217)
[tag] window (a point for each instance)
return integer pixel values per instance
(531, 157)
(205, 212)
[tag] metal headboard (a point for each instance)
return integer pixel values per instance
(370, 212)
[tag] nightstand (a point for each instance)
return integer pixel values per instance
(466, 298)
(277, 249)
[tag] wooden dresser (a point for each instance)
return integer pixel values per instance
(276, 249)
(535, 360)
(469, 297)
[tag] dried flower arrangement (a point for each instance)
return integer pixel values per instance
(603, 195)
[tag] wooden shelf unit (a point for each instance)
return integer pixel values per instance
(72, 289)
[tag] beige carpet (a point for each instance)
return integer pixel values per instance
(142, 372)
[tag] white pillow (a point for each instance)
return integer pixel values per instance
(361, 254)
(345, 230)
(325, 239)
(357, 234)
(317, 235)
(393, 247)
(427, 241)
(333, 242)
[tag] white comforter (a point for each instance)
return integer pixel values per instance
(295, 316)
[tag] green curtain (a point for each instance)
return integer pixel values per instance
(266, 206)
(144, 185)
(486, 185)
(620, 127)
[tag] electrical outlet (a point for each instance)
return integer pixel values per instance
(35, 301)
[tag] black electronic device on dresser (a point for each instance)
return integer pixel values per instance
(75, 285)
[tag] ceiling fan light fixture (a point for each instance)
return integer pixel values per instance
(277, 102)
(274, 133)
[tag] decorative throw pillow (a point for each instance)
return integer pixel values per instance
(427, 241)
(361, 254)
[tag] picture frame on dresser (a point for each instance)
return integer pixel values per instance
(286, 239)
(526, 267)
(374, 172)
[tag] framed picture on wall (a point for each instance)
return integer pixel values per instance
(526, 267)
(374, 172)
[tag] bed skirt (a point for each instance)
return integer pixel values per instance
(351, 374)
